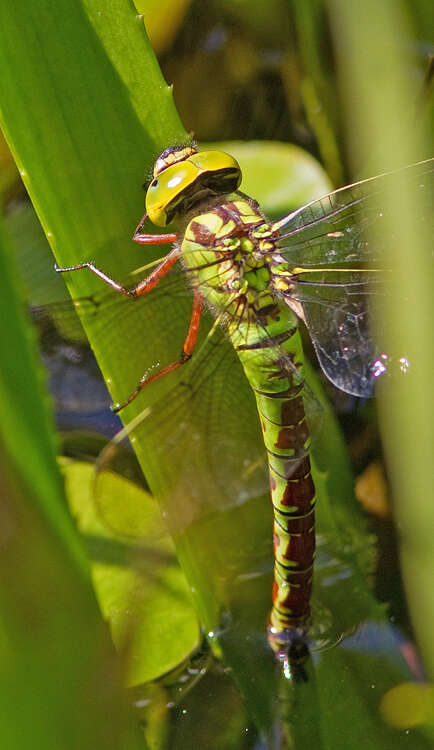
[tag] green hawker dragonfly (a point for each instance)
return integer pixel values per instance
(320, 265)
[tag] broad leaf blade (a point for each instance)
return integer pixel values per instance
(55, 650)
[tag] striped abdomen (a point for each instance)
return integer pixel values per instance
(274, 373)
(292, 491)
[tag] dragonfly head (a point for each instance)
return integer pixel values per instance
(183, 176)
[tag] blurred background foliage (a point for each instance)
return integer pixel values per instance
(273, 72)
(245, 70)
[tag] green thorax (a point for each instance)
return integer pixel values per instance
(225, 249)
(232, 254)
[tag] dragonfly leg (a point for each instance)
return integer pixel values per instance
(142, 287)
(152, 239)
(186, 354)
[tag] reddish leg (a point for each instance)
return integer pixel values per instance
(146, 284)
(187, 351)
(143, 286)
(152, 239)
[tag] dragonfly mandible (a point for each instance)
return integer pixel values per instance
(259, 279)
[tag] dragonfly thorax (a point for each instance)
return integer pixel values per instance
(229, 249)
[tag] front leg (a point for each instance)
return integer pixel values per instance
(151, 239)
(142, 287)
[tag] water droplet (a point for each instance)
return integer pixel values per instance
(404, 364)
(378, 368)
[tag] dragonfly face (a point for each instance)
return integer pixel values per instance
(183, 177)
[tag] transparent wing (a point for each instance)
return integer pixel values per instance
(205, 432)
(335, 247)
(337, 229)
(75, 378)
(215, 456)
(337, 314)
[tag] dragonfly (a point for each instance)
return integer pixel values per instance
(257, 280)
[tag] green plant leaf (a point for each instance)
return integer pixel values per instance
(145, 599)
(52, 639)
